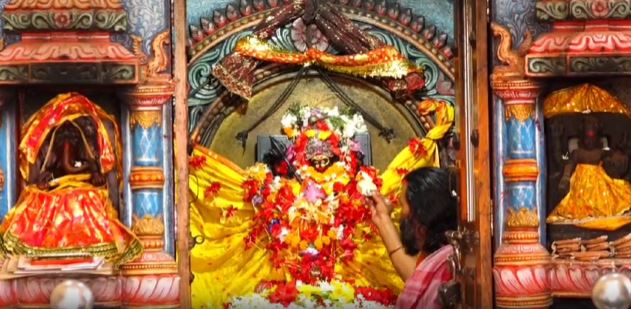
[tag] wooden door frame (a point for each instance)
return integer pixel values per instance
(475, 194)
(180, 132)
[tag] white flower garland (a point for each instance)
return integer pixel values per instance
(343, 125)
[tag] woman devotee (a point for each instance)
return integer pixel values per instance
(420, 253)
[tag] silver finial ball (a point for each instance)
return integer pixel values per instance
(71, 294)
(612, 291)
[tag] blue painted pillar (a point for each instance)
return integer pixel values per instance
(145, 136)
(520, 262)
(520, 170)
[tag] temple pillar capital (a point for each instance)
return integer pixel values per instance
(148, 96)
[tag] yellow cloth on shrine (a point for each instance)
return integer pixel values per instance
(595, 201)
(222, 266)
(223, 255)
(407, 161)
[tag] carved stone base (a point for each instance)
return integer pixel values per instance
(151, 281)
(150, 291)
(160, 291)
(8, 297)
(575, 279)
(34, 291)
(521, 271)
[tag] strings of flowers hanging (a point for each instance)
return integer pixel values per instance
(311, 213)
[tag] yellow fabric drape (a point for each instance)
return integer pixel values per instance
(595, 201)
(381, 62)
(407, 161)
(224, 268)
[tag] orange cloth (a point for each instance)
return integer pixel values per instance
(381, 62)
(74, 218)
(68, 107)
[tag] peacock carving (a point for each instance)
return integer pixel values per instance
(158, 64)
(512, 59)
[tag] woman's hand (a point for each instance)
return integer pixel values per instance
(380, 208)
(404, 264)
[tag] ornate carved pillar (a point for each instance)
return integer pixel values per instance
(153, 279)
(521, 262)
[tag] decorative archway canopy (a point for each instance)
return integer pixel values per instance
(61, 15)
(218, 50)
(584, 98)
(582, 48)
(362, 54)
(66, 41)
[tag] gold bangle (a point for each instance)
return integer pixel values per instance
(395, 250)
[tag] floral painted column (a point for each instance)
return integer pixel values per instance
(521, 262)
(153, 279)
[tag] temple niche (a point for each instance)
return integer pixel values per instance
(565, 158)
(86, 197)
(294, 121)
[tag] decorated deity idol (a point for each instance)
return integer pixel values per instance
(591, 192)
(70, 162)
(596, 194)
(296, 232)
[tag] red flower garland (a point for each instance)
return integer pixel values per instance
(285, 294)
(298, 239)
(329, 242)
(382, 296)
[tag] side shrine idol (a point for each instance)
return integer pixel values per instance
(70, 161)
(296, 231)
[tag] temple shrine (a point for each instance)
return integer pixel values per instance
(306, 153)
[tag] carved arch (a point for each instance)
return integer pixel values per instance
(215, 37)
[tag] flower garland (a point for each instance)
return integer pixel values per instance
(309, 226)
(333, 294)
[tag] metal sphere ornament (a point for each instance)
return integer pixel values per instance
(72, 294)
(612, 291)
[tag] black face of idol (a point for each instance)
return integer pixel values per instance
(321, 162)
(320, 155)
